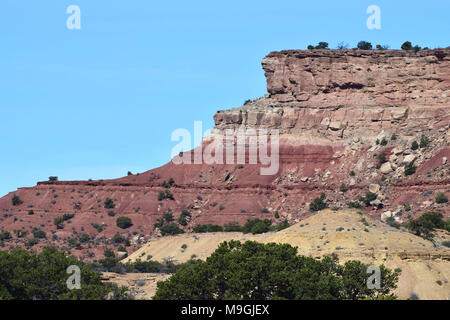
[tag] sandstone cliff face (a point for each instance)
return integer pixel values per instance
(348, 92)
(358, 78)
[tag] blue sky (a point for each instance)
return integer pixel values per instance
(97, 102)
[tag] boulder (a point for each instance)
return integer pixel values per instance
(409, 158)
(374, 188)
(386, 168)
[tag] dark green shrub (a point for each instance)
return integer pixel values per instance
(410, 169)
(256, 226)
(27, 275)
(318, 203)
(202, 228)
(16, 201)
(232, 227)
(170, 229)
(441, 198)
(279, 273)
(124, 222)
(182, 220)
(414, 145)
(368, 198)
(424, 141)
(109, 203)
(38, 233)
(364, 45)
(53, 178)
(425, 224)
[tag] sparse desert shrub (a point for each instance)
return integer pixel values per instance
(364, 45)
(232, 227)
(425, 224)
(124, 222)
(53, 178)
(265, 210)
(5, 235)
(354, 204)
(170, 229)
(424, 141)
(410, 169)
(16, 201)
(109, 203)
(441, 198)
(111, 213)
(202, 228)
(414, 145)
(182, 220)
(318, 203)
(368, 198)
(38, 233)
(256, 226)
(59, 222)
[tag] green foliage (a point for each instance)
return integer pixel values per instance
(368, 198)
(414, 145)
(109, 203)
(364, 45)
(202, 228)
(182, 220)
(256, 226)
(53, 178)
(343, 188)
(276, 215)
(5, 235)
(111, 213)
(16, 201)
(59, 222)
(42, 276)
(166, 194)
(410, 168)
(97, 226)
(321, 45)
(441, 198)
(318, 203)
(232, 227)
(354, 204)
(425, 224)
(383, 141)
(170, 229)
(256, 271)
(424, 141)
(124, 222)
(406, 45)
(38, 233)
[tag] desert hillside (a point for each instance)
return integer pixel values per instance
(347, 233)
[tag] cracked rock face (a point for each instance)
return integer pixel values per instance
(348, 93)
(330, 78)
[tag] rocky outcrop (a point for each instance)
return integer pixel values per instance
(359, 78)
(341, 93)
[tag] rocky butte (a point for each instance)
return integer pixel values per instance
(346, 119)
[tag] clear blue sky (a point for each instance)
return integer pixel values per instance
(97, 102)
